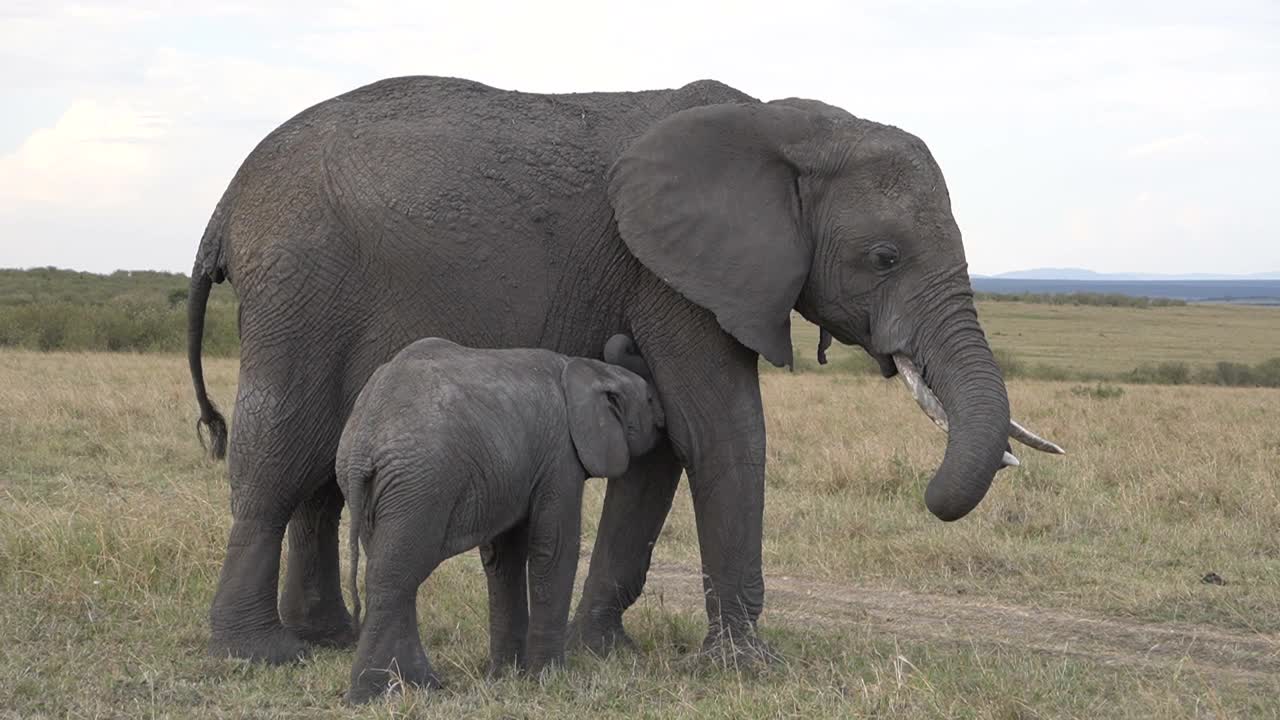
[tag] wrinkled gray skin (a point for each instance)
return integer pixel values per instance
(692, 219)
(449, 447)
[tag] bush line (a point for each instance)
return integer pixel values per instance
(1081, 298)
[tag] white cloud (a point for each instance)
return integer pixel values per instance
(1165, 145)
(91, 157)
(1048, 122)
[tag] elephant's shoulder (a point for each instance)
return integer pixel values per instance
(712, 92)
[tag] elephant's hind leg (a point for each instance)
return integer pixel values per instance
(280, 455)
(243, 618)
(403, 550)
(311, 604)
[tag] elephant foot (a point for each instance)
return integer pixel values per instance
(338, 637)
(505, 666)
(600, 637)
(390, 684)
(277, 646)
(736, 650)
(332, 632)
(326, 625)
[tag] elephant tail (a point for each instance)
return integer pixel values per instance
(197, 299)
(354, 479)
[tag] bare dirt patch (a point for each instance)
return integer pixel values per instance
(1194, 649)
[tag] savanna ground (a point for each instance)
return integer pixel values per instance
(1075, 590)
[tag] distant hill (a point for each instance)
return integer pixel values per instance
(1093, 276)
(1251, 292)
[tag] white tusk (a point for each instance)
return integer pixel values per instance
(1032, 440)
(932, 407)
(924, 397)
(1010, 460)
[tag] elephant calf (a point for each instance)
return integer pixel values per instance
(448, 448)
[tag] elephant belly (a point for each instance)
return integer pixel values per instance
(476, 516)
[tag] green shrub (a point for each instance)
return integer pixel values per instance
(1101, 391)
(48, 309)
(1267, 373)
(1233, 374)
(1165, 373)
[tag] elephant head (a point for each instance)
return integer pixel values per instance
(752, 210)
(614, 415)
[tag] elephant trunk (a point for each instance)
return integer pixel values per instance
(957, 365)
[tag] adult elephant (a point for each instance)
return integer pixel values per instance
(692, 219)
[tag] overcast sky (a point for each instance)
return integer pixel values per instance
(1118, 136)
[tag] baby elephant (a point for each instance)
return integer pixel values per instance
(448, 448)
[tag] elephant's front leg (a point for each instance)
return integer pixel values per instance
(710, 389)
(504, 562)
(727, 484)
(555, 534)
(635, 508)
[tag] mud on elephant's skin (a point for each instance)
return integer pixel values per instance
(448, 448)
(693, 219)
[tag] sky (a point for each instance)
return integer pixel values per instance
(1116, 136)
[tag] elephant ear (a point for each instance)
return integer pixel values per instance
(707, 200)
(596, 424)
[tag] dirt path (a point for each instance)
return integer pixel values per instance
(1187, 648)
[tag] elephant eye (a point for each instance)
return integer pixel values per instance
(884, 257)
(615, 402)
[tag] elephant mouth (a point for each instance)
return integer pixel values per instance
(932, 407)
(887, 367)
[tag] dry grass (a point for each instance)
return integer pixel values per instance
(112, 530)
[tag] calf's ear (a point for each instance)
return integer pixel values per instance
(596, 423)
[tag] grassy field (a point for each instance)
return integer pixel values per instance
(1113, 340)
(1108, 341)
(1075, 589)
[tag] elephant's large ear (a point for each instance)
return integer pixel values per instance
(596, 422)
(707, 200)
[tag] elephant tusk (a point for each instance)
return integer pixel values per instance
(1032, 440)
(924, 397)
(932, 407)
